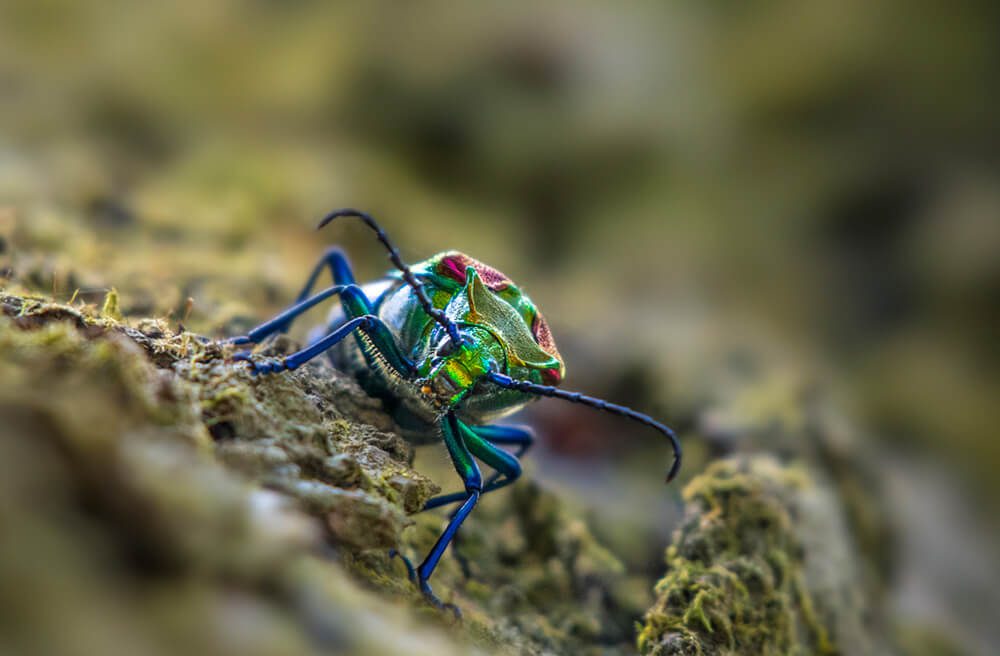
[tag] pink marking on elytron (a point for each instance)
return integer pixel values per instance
(449, 267)
(551, 376)
(453, 265)
(543, 337)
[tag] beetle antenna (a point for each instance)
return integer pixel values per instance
(397, 261)
(600, 404)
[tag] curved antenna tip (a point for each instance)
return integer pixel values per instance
(575, 397)
(344, 211)
(437, 315)
(674, 468)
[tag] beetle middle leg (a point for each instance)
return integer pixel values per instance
(340, 270)
(283, 321)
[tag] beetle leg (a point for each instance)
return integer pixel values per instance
(521, 436)
(340, 271)
(465, 465)
(379, 337)
(297, 359)
(481, 442)
(281, 322)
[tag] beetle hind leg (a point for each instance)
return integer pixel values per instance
(283, 321)
(333, 259)
(336, 261)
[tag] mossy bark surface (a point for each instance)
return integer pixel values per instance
(163, 496)
(165, 500)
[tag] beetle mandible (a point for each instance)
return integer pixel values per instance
(451, 345)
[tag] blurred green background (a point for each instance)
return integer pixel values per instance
(808, 189)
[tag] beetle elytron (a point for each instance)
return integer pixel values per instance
(451, 345)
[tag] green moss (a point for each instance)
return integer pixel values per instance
(734, 582)
(111, 309)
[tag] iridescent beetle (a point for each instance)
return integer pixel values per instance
(451, 345)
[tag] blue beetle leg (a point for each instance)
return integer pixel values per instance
(340, 271)
(281, 322)
(411, 573)
(296, 360)
(465, 465)
(360, 312)
(505, 464)
(522, 436)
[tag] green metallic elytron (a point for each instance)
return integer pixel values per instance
(451, 345)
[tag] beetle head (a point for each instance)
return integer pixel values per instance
(454, 370)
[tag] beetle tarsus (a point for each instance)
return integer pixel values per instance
(262, 368)
(411, 572)
(425, 586)
(433, 600)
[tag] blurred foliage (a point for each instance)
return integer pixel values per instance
(688, 190)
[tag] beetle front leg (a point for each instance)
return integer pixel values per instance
(521, 436)
(468, 470)
(481, 440)
(297, 359)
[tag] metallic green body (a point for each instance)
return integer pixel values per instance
(504, 331)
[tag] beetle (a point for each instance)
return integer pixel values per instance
(451, 345)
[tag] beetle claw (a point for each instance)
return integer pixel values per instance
(425, 587)
(433, 600)
(260, 368)
(411, 573)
